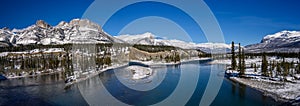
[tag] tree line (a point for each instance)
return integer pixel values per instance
(268, 68)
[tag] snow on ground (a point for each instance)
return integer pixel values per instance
(49, 50)
(274, 86)
(36, 73)
(159, 63)
(285, 90)
(223, 61)
(140, 72)
(254, 60)
(4, 53)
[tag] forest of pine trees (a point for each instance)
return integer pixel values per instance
(41, 62)
(268, 68)
(31, 63)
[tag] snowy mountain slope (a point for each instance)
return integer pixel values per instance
(284, 41)
(85, 31)
(150, 39)
(76, 31)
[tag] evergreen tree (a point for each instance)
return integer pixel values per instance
(255, 68)
(233, 61)
(278, 69)
(285, 69)
(270, 73)
(273, 65)
(240, 58)
(264, 65)
(243, 67)
(177, 57)
(299, 56)
(298, 68)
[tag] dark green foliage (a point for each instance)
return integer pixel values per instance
(233, 61)
(299, 55)
(172, 58)
(107, 61)
(200, 55)
(279, 55)
(278, 70)
(264, 65)
(176, 58)
(255, 67)
(154, 48)
(243, 65)
(286, 68)
(240, 58)
(298, 68)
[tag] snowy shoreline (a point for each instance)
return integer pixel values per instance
(277, 90)
(154, 64)
(36, 74)
(94, 74)
(149, 63)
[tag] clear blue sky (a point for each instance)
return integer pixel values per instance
(245, 21)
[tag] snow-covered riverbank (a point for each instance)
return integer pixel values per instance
(139, 72)
(276, 85)
(277, 90)
(36, 73)
(156, 63)
(93, 73)
(138, 76)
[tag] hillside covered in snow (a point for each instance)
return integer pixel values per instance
(85, 31)
(151, 39)
(284, 41)
(76, 31)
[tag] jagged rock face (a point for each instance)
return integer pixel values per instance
(5, 37)
(84, 23)
(42, 24)
(284, 41)
(77, 31)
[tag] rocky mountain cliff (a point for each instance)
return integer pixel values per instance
(76, 31)
(85, 31)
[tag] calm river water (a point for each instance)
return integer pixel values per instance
(116, 86)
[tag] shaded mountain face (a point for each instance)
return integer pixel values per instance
(284, 41)
(76, 31)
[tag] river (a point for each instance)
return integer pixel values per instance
(115, 87)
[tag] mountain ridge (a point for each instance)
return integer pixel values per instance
(86, 31)
(76, 31)
(283, 41)
(148, 38)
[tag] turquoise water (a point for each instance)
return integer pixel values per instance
(49, 89)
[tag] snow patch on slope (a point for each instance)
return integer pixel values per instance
(76, 31)
(150, 39)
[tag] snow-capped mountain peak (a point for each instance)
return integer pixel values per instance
(76, 31)
(284, 41)
(42, 24)
(145, 38)
(150, 39)
(283, 34)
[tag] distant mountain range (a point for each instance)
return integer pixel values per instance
(85, 31)
(150, 39)
(284, 41)
(76, 31)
